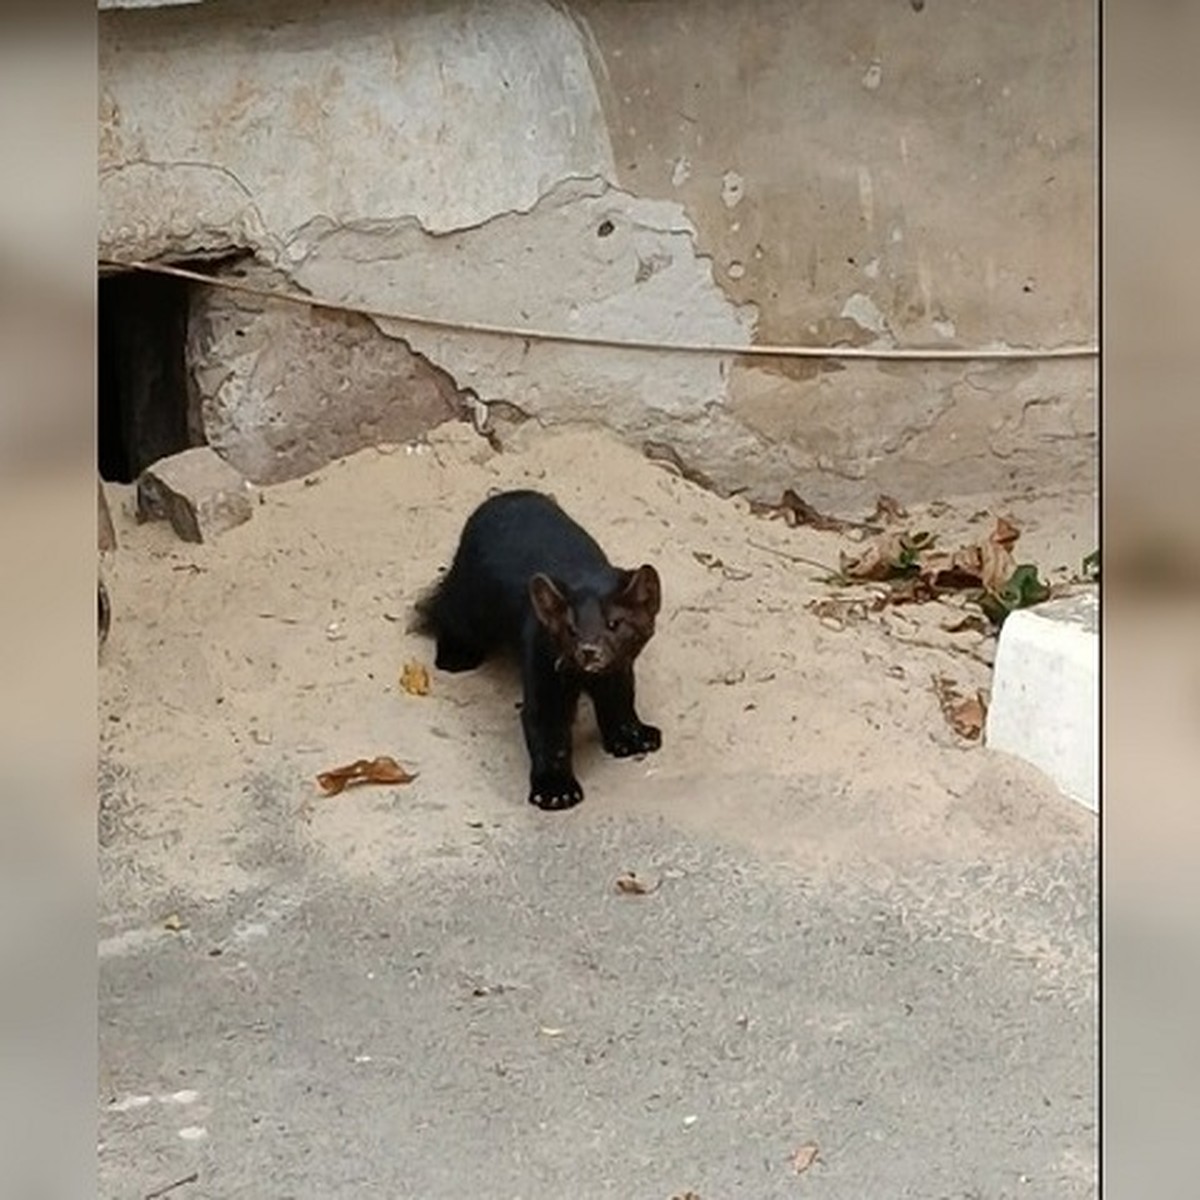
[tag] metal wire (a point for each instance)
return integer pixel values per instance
(883, 353)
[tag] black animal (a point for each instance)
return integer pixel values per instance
(528, 579)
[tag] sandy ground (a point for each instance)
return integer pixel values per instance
(278, 650)
(808, 781)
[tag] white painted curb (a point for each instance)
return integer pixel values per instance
(1045, 705)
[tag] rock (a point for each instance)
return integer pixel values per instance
(283, 391)
(1046, 692)
(106, 537)
(197, 491)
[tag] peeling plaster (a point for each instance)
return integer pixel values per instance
(178, 209)
(863, 310)
(621, 266)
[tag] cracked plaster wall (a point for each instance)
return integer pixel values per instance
(779, 172)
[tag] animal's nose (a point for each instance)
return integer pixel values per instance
(590, 655)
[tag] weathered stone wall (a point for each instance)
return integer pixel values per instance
(281, 390)
(767, 171)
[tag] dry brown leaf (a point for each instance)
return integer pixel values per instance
(880, 559)
(376, 770)
(798, 511)
(414, 679)
(1006, 532)
(969, 622)
(951, 571)
(842, 609)
(713, 563)
(804, 1157)
(795, 510)
(965, 714)
(996, 563)
(630, 884)
(888, 510)
(909, 591)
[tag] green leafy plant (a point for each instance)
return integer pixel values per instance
(1023, 589)
(912, 546)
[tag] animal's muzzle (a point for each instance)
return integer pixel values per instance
(592, 659)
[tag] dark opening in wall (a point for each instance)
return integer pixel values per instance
(142, 383)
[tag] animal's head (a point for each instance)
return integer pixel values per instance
(599, 633)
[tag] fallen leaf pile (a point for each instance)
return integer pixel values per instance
(965, 714)
(375, 770)
(916, 570)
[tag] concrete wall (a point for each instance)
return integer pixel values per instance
(865, 173)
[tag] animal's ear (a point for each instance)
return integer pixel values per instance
(641, 590)
(549, 604)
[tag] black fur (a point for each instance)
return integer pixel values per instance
(527, 579)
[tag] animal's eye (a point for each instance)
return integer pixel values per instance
(614, 623)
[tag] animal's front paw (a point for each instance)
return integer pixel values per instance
(633, 738)
(555, 790)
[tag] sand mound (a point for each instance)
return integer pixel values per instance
(236, 672)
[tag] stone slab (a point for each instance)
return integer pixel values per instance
(197, 491)
(1045, 694)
